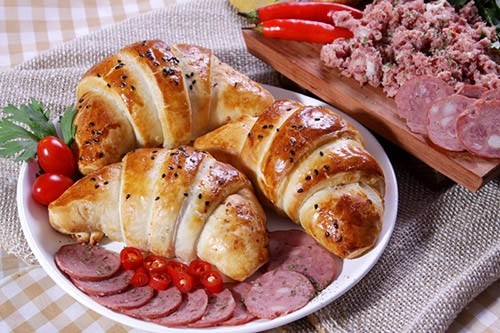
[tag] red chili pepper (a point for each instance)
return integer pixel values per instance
(302, 30)
(140, 277)
(131, 258)
(313, 11)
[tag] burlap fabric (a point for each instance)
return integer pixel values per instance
(445, 248)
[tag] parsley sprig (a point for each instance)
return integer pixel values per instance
(22, 127)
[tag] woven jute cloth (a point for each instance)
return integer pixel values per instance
(445, 248)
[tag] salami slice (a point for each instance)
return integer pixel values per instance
(297, 251)
(240, 315)
(442, 121)
(277, 293)
(164, 303)
(130, 299)
(220, 308)
(191, 309)
(479, 129)
(416, 96)
(87, 262)
(114, 285)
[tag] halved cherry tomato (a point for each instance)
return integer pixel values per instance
(197, 267)
(182, 280)
(48, 187)
(159, 280)
(155, 263)
(212, 281)
(140, 277)
(131, 258)
(54, 156)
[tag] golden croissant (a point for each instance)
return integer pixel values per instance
(152, 94)
(310, 164)
(178, 203)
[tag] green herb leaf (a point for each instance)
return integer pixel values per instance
(15, 139)
(68, 129)
(22, 128)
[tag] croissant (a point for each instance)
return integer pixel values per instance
(175, 203)
(151, 94)
(311, 165)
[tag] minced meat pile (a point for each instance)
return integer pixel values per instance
(398, 40)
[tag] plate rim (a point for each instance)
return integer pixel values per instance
(390, 218)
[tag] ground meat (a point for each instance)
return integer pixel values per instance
(398, 40)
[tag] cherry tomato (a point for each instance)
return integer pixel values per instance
(212, 281)
(159, 280)
(140, 277)
(155, 263)
(48, 187)
(197, 267)
(183, 281)
(56, 157)
(131, 258)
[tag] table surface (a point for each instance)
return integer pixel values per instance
(29, 299)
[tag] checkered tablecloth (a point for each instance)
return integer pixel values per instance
(29, 299)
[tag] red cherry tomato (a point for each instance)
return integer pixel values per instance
(183, 281)
(48, 187)
(197, 267)
(159, 280)
(140, 277)
(131, 258)
(212, 281)
(56, 157)
(155, 263)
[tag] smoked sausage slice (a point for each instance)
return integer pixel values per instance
(114, 285)
(191, 309)
(277, 293)
(87, 262)
(415, 98)
(241, 315)
(220, 308)
(164, 303)
(130, 299)
(297, 251)
(479, 129)
(442, 121)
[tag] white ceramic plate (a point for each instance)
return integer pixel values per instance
(44, 242)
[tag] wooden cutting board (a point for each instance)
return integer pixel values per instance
(299, 62)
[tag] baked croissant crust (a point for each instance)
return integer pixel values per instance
(151, 94)
(178, 203)
(311, 165)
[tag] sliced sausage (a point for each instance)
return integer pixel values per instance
(130, 299)
(220, 308)
(277, 293)
(416, 96)
(442, 121)
(472, 90)
(479, 129)
(293, 237)
(114, 285)
(162, 304)
(240, 315)
(87, 262)
(191, 309)
(297, 251)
